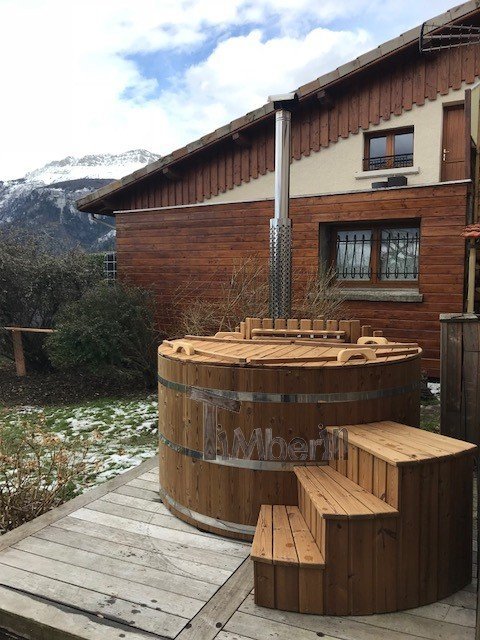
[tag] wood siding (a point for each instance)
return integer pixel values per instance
(393, 86)
(163, 249)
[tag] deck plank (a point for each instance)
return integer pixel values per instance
(144, 484)
(376, 627)
(137, 503)
(147, 543)
(251, 627)
(121, 610)
(195, 540)
(127, 490)
(20, 613)
(140, 515)
(101, 582)
(155, 559)
(133, 573)
(219, 609)
(420, 627)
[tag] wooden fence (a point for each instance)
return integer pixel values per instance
(460, 379)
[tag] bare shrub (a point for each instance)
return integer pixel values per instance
(317, 293)
(245, 293)
(38, 469)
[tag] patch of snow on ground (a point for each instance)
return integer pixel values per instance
(123, 433)
(434, 388)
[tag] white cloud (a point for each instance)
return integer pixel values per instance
(65, 73)
(242, 71)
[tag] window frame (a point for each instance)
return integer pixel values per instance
(376, 228)
(110, 266)
(389, 134)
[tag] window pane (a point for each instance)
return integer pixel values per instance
(403, 144)
(399, 254)
(353, 255)
(378, 147)
(377, 150)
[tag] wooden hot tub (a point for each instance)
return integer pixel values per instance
(213, 398)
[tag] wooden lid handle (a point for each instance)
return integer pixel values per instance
(362, 352)
(229, 335)
(372, 340)
(181, 345)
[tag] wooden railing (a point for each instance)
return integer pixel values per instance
(341, 330)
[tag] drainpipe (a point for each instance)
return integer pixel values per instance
(280, 224)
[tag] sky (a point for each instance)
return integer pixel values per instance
(105, 76)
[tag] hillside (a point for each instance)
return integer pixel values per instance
(43, 201)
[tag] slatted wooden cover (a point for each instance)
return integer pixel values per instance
(270, 353)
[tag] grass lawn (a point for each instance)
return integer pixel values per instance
(123, 431)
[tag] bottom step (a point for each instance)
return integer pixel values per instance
(288, 563)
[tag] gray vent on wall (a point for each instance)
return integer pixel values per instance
(392, 181)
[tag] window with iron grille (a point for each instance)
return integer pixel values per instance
(110, 265)
(378, 255)
(388, 150)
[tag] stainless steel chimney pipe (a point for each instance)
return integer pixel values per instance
(281, 225)
(283, 119)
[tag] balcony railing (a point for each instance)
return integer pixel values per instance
(388, 162)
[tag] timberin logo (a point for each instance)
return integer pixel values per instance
(262, 445)
(326, 446)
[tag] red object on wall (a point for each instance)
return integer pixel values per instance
(472, 231)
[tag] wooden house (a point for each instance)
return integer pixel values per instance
(382, 184)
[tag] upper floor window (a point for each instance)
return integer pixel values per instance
(377, 254)
(388, 149)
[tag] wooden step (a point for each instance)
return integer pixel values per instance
(428, 478)
(378, 453)
(356, 533)
(337, 497)
(392, 524)
(287, 561)
(399, 444)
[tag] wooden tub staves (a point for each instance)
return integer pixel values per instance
(237, 415)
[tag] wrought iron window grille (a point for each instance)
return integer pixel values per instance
(397, 161)
(398, 255)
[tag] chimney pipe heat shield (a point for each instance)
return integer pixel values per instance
(280, 224)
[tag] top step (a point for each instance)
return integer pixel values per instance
(399, 444)
(336, 497)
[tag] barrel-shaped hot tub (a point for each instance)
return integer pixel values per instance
(235, 417)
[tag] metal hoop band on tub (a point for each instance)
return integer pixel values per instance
(231, 527)
(240, 463)
(310, 398)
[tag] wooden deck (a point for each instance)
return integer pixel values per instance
(114, 563)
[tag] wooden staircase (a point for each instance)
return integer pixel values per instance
(387, 527)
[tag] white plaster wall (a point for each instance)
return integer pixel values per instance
(334, 169)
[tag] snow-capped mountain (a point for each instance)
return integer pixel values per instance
(43, 200)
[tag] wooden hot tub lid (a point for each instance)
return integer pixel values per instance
(268, 353)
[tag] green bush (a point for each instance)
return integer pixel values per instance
(109, 331)
(35, 282)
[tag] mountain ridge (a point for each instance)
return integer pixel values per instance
(44, 199)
